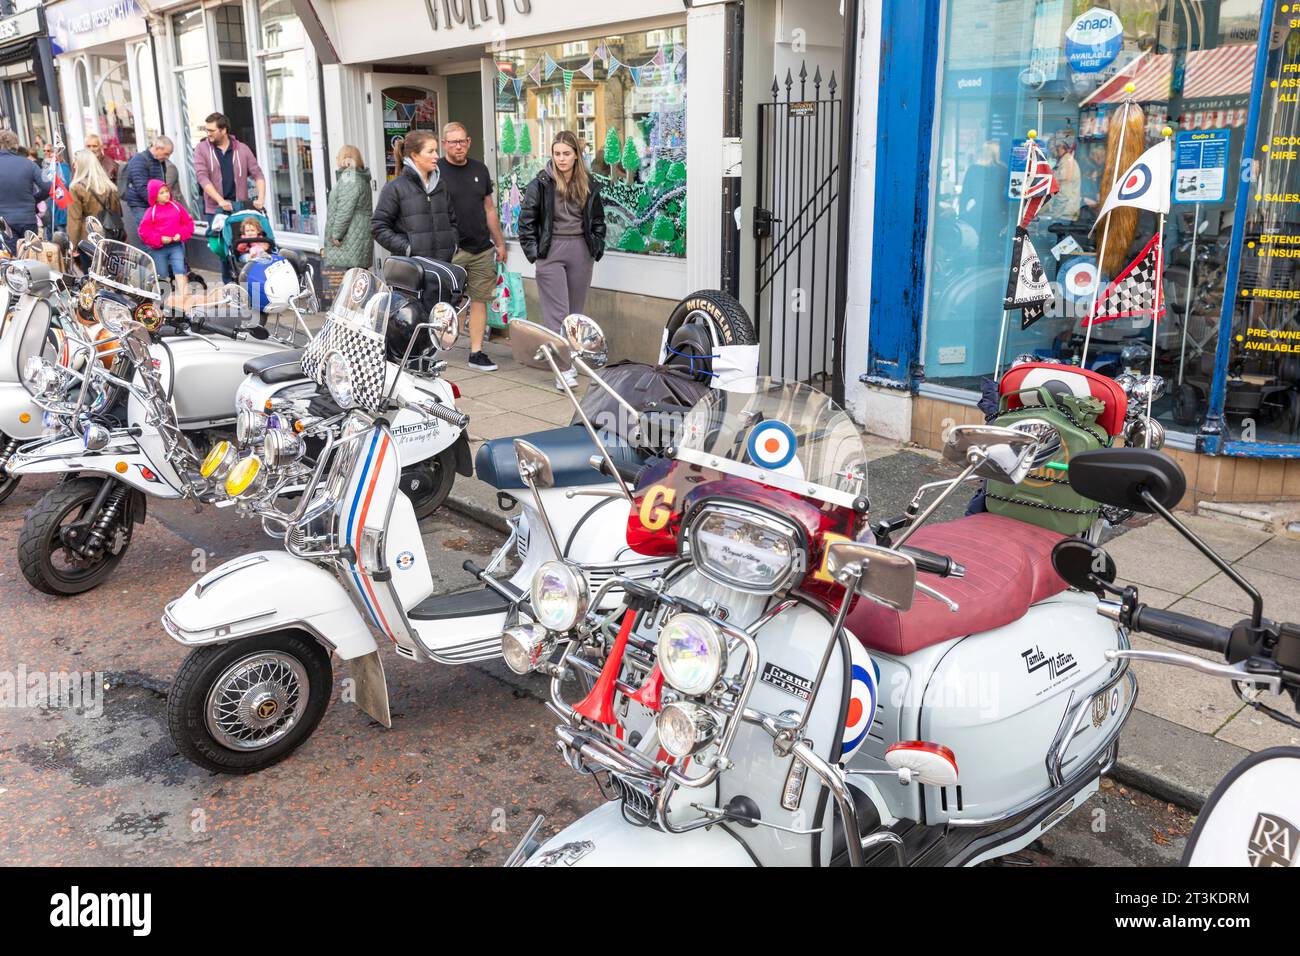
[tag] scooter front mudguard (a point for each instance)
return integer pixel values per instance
(604, 838)
(268, 591)
(20, 417)
(123, 461)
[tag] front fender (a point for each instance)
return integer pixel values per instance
(269, 591)
(604, 838)
(67, 455)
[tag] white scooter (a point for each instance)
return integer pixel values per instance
(126, 411)
(789, 681)
(1253, 816)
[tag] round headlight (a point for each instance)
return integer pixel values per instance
(282, 448)
(95, 437)
(525, 646)
(218, 461)
(110, 313)
(559, 596)
(684, 728)
(249, 425)
(18, 278)
(245, 477)
(338, 378)
(32, 368)
(692, 654)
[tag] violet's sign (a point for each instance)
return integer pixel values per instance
(450, 14)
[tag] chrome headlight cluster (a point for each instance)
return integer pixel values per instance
(111, 314)
(685, 728)
(283, 446)
(692, 654)
(746, 550)
(17, 277)
(43, 378)
(250, 425)
(560, 599)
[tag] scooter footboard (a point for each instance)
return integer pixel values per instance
(604, 838)
(268, 591)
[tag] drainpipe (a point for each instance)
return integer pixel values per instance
(848, 71)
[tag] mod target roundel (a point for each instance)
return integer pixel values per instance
(1078, 277)
(772, 444)
(1136, 183)
(862, 708)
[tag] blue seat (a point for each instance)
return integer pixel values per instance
(569, 450)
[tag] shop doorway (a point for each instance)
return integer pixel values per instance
(401, 104)
(795, 226)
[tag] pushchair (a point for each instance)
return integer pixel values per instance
(277, 281)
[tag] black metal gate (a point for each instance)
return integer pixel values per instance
(796, 228)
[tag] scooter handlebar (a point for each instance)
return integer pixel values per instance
(1181, 628)
(933, 563)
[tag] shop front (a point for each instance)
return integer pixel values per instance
(1099, 83)
(129, 77)
(515, 73)
(28, 95)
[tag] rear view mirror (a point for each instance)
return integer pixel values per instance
(585, 339)
(94, 229)
(1121, 477)
(884, 576)
(528, 340)
(534, 466)
(1083, 565)
(443, 325)
(999, 454)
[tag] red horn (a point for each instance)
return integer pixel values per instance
(649, 694)
(598, 706)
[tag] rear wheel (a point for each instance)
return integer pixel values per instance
(702, 323)
(63, 549)
(241, 707)
(428, 483)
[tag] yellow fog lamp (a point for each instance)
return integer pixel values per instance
(218, 462)
(246, 477)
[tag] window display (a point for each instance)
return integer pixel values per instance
(625, 99)
(1098, 84)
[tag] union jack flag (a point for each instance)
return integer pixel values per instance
(1040, 184)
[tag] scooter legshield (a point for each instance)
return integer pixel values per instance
(604, 838)
(20, 417)
(123, 461)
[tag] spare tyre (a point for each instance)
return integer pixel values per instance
(700, 324)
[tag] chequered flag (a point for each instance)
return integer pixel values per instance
(1133, 293)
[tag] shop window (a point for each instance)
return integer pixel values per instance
(114, 111)
(1014, 65)
(289, 163)
(406, 108)
(280, 26)
(625, 99)
(228, 22)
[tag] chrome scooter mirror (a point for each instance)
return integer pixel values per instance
(878, 574)
(443, 326)
(531, 343)
(94, 229)
(535, 470)
(586, 339)
(993, 452)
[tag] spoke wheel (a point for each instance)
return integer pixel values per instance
(257, 701)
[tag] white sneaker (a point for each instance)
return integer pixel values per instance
(570, 379)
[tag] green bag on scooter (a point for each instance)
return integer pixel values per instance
(1045, 497)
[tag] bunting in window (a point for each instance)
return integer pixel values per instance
(1027, 285)
(1133, 293)
(1040, 185)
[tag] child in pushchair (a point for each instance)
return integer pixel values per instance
(275, 279)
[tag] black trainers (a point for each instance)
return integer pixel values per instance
(481, 362)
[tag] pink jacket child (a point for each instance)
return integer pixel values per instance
(166, 221)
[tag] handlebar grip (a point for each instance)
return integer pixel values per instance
(933, 563)
(472, 568)
(207, 325)
(628, 474)
(1181, 628)
(444, 413)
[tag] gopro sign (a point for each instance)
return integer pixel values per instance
(1093, 40)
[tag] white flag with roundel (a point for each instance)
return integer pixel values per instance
(1144, 185)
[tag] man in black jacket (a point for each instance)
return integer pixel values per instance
(414, 216)
(145, 165)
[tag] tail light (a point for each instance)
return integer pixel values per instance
(455, 392)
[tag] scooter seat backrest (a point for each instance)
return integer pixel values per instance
(430, 280)
(1070, 379)
(568, 449)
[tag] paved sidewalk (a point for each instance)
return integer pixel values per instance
(1188, 729)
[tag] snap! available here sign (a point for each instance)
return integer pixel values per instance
(1093, 40)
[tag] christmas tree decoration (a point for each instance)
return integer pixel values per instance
(525, 139)
(508, 136)
(631, 158)
(613, 148)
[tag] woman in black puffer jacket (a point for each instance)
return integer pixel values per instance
(414, 215)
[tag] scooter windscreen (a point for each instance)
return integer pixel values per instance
(784, 434)
(347, 356)
(125, 268)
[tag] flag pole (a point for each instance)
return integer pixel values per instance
(1105, 231)
(1187, 311)
(1155, 314)
(1030, 146)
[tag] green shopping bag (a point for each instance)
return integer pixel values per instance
(508, 299)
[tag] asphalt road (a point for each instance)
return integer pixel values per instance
(467, 765)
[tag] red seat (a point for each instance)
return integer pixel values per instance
(1078, 381)
(1008, 567)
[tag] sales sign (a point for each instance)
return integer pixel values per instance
(1201, 165)
(1093, 40)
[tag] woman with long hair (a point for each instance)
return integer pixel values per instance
(92, 194)
(562, 231)
(347, 224)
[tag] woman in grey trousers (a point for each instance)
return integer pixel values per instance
(562, 230)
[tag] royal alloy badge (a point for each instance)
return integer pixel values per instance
(1273, 841)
